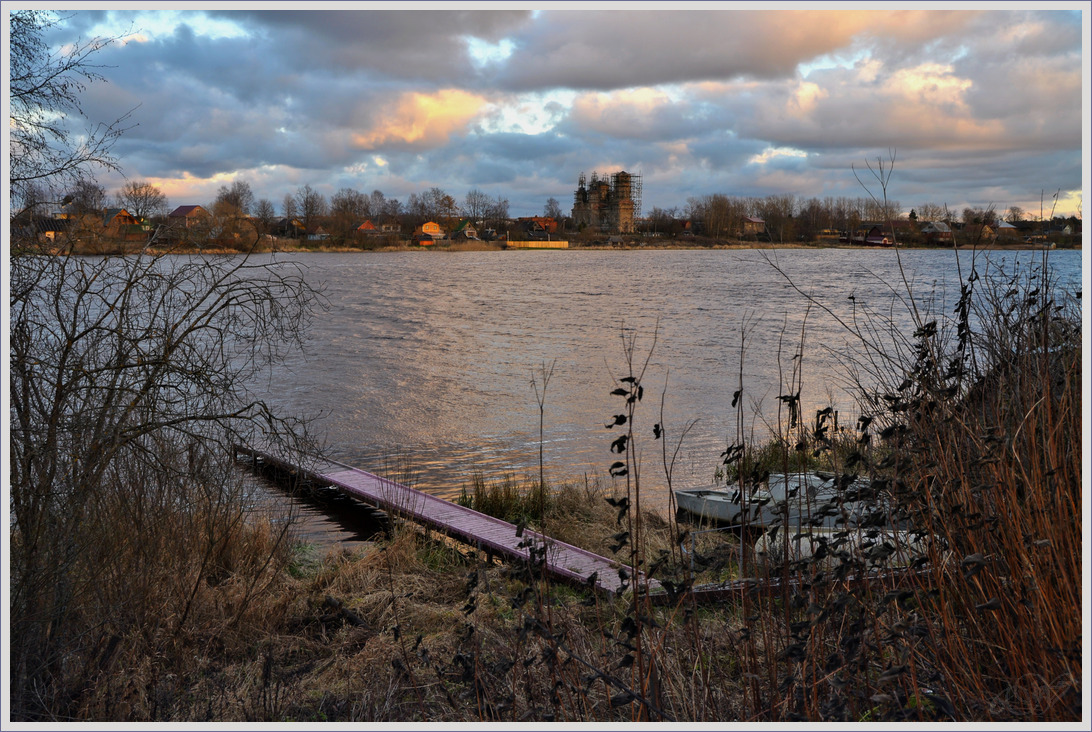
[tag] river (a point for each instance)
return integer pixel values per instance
(425, 366)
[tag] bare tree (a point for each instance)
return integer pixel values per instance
(438, 204)
(847, 213)
(142, 199)
(289, 208)
(45, 89)
(777, 212)
(664, 220)
(350, 203)
(378, 204)
(130, 380)
(234, 200)
(265, 213)
(35, 199)
(811, 218)
(497, 215)
(477, 205)
(552, 209)
(881, 211)
(931, 212)
(348, 209)
(976, 215)
(87, 197)
(719, 214)
(311, 205)
(884, 208)
(480, 207)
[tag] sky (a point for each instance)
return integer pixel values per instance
(984, 104)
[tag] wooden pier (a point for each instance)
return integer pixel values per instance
(476, 529)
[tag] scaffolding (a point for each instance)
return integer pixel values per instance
(609, 204)
(628, 186)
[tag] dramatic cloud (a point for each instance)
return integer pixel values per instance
(421, 120)
(983, 106)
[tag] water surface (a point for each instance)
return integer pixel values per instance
(422, 368)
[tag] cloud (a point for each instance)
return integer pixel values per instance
(610, 50)
(421, 120)
(643, 114)
(423, 45)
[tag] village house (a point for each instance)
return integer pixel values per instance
(427, 233)
(290, 228)
(974, 234)
(936, 232)
(545, 224)
(536, 227)
(317, 233)
(1005, 230)
(187, 217)
(28, 225)
(117, 223)
(878, 236)
(752, 226)
(464, 231)
(891, 233)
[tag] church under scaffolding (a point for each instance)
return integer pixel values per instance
(609, 205)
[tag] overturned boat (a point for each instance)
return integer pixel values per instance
(815, 499)
(818, 516)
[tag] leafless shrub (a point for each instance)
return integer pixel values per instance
(128, 387)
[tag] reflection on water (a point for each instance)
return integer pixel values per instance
(424, 361)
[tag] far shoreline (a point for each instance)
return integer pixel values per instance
(497, 247)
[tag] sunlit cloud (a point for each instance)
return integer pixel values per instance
(806, 97)
(868, 70)
(631, 113)
(422, 120)
(644, 99)
(187, 189)
(773, 153)
(934, 82)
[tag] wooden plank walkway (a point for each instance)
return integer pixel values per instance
(474, 528)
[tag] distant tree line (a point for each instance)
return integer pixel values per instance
(786, 218)
(792, 218)
(338, 216)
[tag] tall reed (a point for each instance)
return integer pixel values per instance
(970, 434)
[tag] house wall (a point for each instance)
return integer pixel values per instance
(431, 228)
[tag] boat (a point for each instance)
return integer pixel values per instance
(827, 546)
(800, 516)
(807, 499)
(720, 506)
